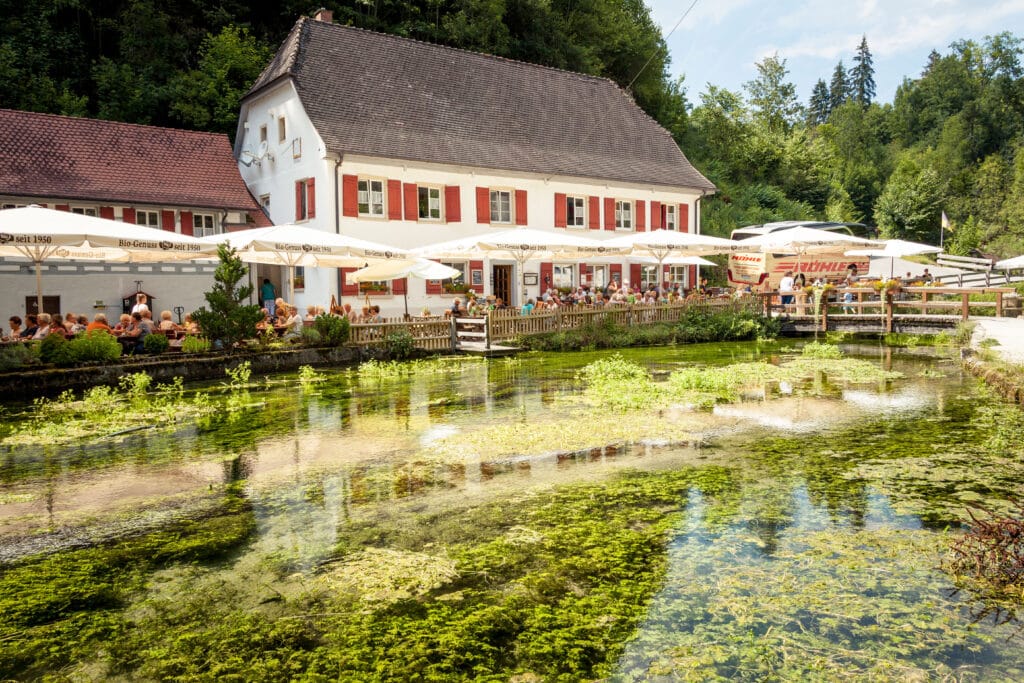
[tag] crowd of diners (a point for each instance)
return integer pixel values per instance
(131, 329)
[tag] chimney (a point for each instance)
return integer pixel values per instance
(324, 15)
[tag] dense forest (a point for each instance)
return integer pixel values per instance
(948, 143)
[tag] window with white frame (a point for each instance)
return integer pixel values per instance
(677, 274)
(649, 276)
(83, 211)
(371, 197)
(599, 277)
(668, 216)
(576, 212)
(203, 224)
(429, 203)
(148, 218)
(501, 206)
(562, 276)
(458, 282)
(623, 214)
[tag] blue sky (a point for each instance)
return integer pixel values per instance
(720, 40)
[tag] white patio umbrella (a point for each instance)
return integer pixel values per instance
(895, 249)
(664, 244)
(389, 270)
(297, 245)
(803, 240)
(1011, 263)
(39, 235)
(520, 245)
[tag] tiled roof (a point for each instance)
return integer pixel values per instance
(42, 155)
(385, 96)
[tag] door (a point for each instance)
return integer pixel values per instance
(502, 276)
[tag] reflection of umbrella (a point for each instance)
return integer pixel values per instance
(664, 244)
(390, 270)
(1011, 263)
(296, 245)
(521, 245)
(40, 234)
(895, 249)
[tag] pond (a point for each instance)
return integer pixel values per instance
(722, 513)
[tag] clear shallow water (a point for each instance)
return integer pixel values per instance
(806, 541)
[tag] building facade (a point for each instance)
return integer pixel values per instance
(409, 143)
(180, 181)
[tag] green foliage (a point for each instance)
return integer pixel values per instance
(909, 207)
(816, 349)
(18, 356)
(307, 375)
(334, 330)
(54, 348)
(400, 344)
(239, 375)
(310, 336)
(155, 344)
(95, 346)
(228, 321)
(194, 344)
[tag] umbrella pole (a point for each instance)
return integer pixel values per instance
(405, 295)
(39, 288)
(291, 285)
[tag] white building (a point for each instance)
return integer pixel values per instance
(409, 143)
(175, 180)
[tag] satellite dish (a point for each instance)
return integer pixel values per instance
(262, 150)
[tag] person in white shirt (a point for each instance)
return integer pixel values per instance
(786, 286)
(141, 303)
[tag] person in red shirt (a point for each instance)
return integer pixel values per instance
(99, 322)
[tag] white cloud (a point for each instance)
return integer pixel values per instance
(666, 13)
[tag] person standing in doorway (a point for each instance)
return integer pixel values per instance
(268, 294)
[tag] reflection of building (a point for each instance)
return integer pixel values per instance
(175, 180)
(408, 143)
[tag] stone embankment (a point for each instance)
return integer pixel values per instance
(1003, 338)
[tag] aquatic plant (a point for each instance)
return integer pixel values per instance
(239, 375)
(307, 375)
(989, 557)
(375, 369)
(817, 349)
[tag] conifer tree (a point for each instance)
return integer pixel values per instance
(228, 320)
(862, 75)
(839, 90)
(819, 106)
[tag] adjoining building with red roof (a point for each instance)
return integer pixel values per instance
(408, 143)
(176, 180)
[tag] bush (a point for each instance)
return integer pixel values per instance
(95, 346)
(310, 336)
(400, 344)
(228, 321)
(17, 356)
(55, 349)
(333, 330)
(155, 344)
(192, 344)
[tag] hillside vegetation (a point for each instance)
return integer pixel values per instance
(949, 141)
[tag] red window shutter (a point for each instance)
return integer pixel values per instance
(107, 212)
(634, 275)
(656, 216)
(615, 272)
(560, 210)
(62, 207)
(547, 272)
(300, 188)
(609, 213)
(692, 274)
(394, 200)
(483, 205)
(452, 204)
(434, 286)
(167, 220)
(641, 215)
(476, 265)
(398, 286)
(520, 207)
(311, 197)
(684, 219)
(412, 202)
(186, 223)
(128, 215)
(346, 288)
(583, 273)
(349, 195)
(594, 209)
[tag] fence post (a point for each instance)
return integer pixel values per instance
(999, 304)
(487, 332)
(889, 299)
(965, 306)
(454, 334)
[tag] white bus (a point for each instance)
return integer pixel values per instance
(764, 271)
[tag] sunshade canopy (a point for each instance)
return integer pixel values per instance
(802, 240)
(298, 245)
(390, 270)
(896, 249)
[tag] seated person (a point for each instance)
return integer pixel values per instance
(124, 324)
(31, 325)
(166, 324)
(139, 329)
(99, 322)
(293, 324)
(191, 327)
(45, 326)
(528, 307)
(15, 323)
(268, 320)
(311, 313)
(375, 316)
